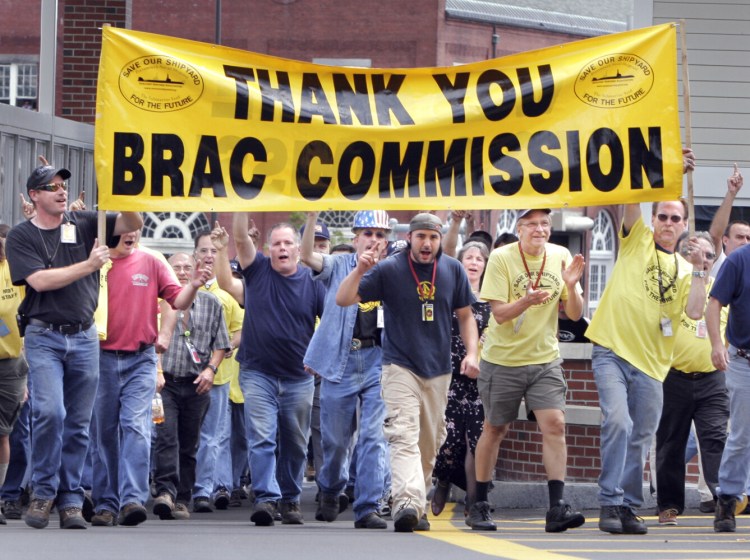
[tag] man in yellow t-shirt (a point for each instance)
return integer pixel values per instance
(633, 336)
(694, 391)
(524, 283)
(13, 368)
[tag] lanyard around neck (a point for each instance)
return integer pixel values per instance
(526, 266)
(662, 288)
(423, 291)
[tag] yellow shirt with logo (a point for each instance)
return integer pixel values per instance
(505, 280)
(233, 316)
(692, 353)
(10, 298)
(628, 319)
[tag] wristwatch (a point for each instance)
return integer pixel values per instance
(212, 368)
(699, 273)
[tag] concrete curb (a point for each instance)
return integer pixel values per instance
(527, 495)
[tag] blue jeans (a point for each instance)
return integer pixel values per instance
(631, 403)
(213, 469)
(122, 421)
(735, 461)
(64, 373)
(20, 450)
(360, 385)
(284, 405)
(238, 443)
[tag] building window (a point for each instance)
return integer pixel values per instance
(18, 84)
(506, 222)
(338, 218)
(172, 232)
(601, 257)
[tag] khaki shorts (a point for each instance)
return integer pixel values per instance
(502, 388)
(12, 389)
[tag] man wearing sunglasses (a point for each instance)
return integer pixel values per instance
(56, 255)
(633, 331)
(345, 351)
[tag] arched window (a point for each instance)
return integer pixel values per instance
(172, 232)
(338, 218)
(601, 257)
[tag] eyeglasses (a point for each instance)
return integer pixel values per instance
(674, 218)
(535, 225)
(52, 187)
(378, 234)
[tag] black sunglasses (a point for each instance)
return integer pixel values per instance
(674, 218)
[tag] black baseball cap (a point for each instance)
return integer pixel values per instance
(43, 175)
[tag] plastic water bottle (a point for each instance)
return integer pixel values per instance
(157, 409)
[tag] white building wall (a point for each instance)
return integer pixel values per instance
(718, 50)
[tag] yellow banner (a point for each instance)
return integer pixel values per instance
(188, 126)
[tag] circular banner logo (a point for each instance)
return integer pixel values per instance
(160, 84)
(614, 80)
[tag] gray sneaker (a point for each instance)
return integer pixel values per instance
(37, 515)
(609, 519)
(479, 518)
(406, 518)
(631, 523)
(423, 524)
(290, 513)
(72, 518)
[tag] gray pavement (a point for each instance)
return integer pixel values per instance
(228, 535)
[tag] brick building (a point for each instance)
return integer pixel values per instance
(389, 33)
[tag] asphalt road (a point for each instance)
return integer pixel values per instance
(226, 535)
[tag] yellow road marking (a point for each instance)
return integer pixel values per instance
(446, 530)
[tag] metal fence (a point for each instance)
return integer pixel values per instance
(25, 135)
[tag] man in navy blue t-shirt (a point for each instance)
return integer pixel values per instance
(419, 289)
(281, 305)
(732, 287)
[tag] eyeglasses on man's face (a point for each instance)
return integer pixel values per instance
(674, 218)
(534, 225)
(53, 187)
(370, 233)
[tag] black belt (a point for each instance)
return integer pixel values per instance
(359, 343)
(695, 376)
(179, 378)
(68, 328)
(141, 349)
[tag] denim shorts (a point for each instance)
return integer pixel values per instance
(13, 377)
(502, 388)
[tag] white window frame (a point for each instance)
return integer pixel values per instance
(601, 257)
(16, 83)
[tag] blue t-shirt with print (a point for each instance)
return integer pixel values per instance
(424, 347)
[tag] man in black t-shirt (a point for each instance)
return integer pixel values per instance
(57, 257)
